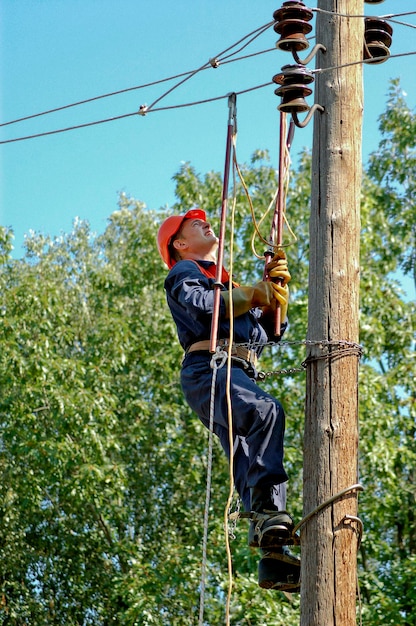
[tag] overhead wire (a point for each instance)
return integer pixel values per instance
(401, 23)
(384, 17)
(224, 60)
(257, 32)
(187, 104)
(127, 89)
(320, 70)
(219, 58)
(144, 109)
(134, 113)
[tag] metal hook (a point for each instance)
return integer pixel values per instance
(307, 119)
(311, 55)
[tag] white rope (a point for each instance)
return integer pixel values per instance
(218, 360)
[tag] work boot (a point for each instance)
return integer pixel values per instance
(279, 569)
(269, 527)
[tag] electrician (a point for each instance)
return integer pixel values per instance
(188, 245)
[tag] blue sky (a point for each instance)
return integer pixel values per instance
(57, 52)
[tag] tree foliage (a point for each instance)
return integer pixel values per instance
(103, 465)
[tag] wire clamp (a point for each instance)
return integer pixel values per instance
(214, 63)
(142, 110)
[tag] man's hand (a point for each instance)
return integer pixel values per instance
(281, 294)
(263, 294)
(277, 269)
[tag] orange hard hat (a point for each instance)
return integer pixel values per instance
(169, 228)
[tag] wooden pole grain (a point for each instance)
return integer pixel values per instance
(330, 538)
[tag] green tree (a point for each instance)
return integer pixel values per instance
(388, 391)
(103, 465)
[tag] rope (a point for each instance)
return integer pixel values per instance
(217, 361)
(229, 406)
(281, 192)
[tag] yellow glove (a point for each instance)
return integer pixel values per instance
(262, 294)
(277, 269)
(278, 272)
(281, 294)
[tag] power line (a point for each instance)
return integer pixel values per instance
(362, 62)
(348, 15)
(64, 130)
(144, 109)
(106, 95)
(183, 105)
(402, 23)
(137, 87)
(125, 115)
(186, 104)
(213, 63)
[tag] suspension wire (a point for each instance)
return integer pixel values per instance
(93, 99)
(137, 87)
(401, 23)
(119, 117)
(384, 17)
(226, 59)
(363, 61)
(207, 100)
(259, 30)
(68, 128)
(223, 61)
(188, 104)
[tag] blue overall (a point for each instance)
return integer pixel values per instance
(258, 418)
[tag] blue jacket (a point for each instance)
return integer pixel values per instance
(190, 296)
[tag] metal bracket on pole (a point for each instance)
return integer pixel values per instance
(311, 55)
(307, 119)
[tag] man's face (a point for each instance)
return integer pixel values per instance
(197, 235)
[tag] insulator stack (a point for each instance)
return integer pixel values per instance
(292, 24)
(377, 39)
(294, 81)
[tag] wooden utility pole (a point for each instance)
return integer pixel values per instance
(330, 538)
